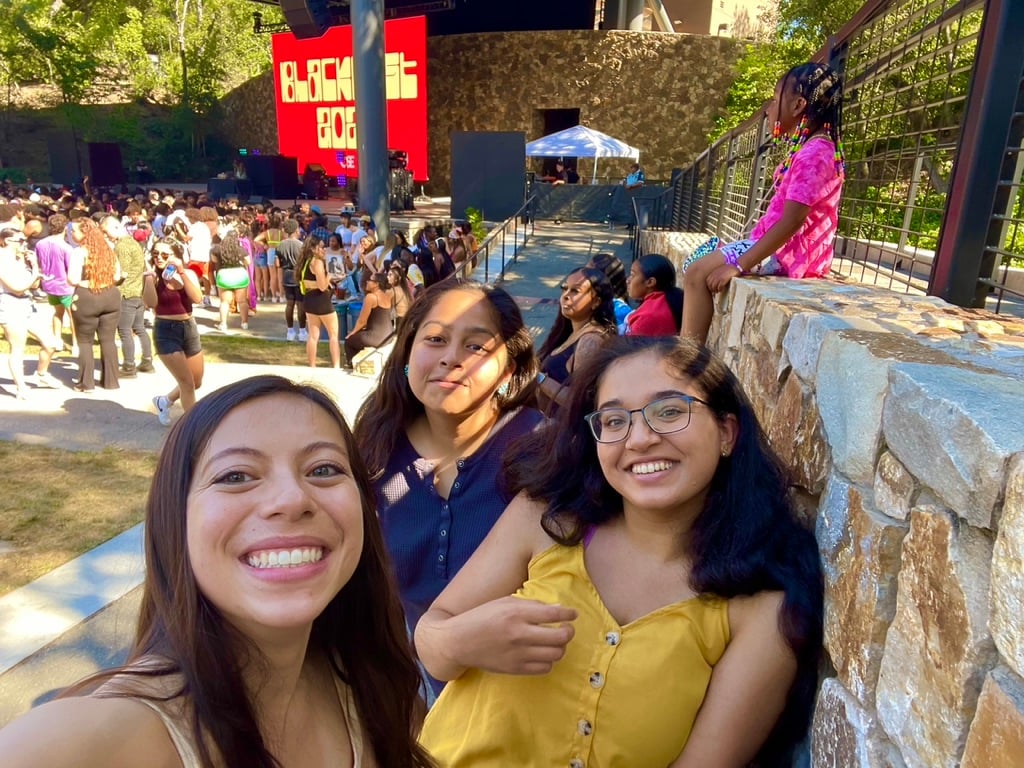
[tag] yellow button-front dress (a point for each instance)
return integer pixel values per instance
(621, 696)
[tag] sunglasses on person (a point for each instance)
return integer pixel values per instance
(161, 252)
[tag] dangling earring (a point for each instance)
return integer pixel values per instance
(407, 371)
(503, 389)
(776, 132)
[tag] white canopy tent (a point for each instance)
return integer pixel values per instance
(581, 141)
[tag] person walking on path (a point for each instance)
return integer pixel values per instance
(170, 290)
(132, 321)
(18, 315)
(288, 252)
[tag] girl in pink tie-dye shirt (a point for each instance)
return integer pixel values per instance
(794, 237)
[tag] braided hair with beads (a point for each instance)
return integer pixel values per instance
(822, 89)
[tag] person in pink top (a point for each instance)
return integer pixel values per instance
(795, 236)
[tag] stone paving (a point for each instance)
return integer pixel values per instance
(124, 418)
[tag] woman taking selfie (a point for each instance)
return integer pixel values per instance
(269, 633)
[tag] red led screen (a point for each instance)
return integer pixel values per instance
(314, 89)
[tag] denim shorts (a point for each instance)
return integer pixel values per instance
(170, 336)
(271, 257)
(261, 260)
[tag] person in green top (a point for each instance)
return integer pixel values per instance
(132, 321)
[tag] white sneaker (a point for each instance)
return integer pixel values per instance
(245, 326)
(163, 409)
(303, 334)
(291, 334)
(206, 301)
(223, 327)
(46, 381)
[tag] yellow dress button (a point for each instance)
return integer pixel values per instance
(584, 727)
(613, 638)
(596, 679)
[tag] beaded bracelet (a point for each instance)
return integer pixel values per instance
(733, 261)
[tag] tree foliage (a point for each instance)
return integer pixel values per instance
(800, 27)
(173, 52)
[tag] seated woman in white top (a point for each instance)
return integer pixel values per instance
(270, 633)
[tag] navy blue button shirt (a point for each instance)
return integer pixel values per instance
(429, 537)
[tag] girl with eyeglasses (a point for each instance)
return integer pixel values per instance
(648, 599)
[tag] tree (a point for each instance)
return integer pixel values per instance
(800, 27)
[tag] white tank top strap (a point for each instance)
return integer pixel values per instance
(183, 743)
(355, 728)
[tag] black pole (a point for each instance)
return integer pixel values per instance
(967, 225)
(371, 106)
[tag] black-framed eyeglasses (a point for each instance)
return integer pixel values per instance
(664, 416)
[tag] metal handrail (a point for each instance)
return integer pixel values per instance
(513, 223)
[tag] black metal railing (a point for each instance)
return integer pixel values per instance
(933, 122)
(518, 224)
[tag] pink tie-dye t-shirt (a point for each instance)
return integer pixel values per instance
(811, 180)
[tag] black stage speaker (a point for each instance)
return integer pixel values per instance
(273, 176)
(307, 18)
(488, 173)
(105, 169)
(65, 164)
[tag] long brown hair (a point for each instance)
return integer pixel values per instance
(362, 630)
(100, 260)
(393, 406)
(306, 255)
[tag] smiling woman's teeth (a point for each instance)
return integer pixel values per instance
(649, 466)
(285, 558)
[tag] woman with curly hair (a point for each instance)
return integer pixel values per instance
(94, 271)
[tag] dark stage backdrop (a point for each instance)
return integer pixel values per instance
(488, 173)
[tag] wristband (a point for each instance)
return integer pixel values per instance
(734, 261)
(540, 378)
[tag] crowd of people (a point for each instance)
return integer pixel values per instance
(581, 555)
(112, 262)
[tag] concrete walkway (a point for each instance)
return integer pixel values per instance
(81, 617)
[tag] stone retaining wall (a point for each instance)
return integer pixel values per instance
(900, 419)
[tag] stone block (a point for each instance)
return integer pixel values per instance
(803, 339)
(895, 487)
(845, 735)
(852, 381)
(742, 292)
(794, 430)
(860, 552)
(1007, 597)
(954, 430)
(997, 733)
(938, 648)
(757, 368)
(775, 322)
